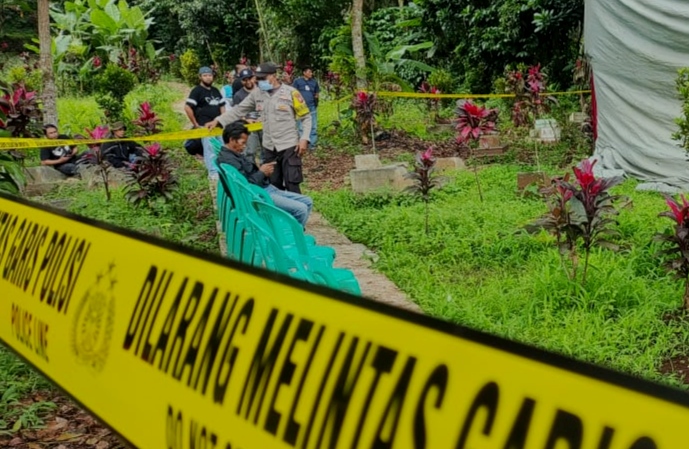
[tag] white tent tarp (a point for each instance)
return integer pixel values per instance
(636, 48)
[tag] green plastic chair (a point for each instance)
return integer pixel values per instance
(319, 265)
(271, 255)
(239, 238)
(289, 233)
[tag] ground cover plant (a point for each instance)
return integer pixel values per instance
(477, 268)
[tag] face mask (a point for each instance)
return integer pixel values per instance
(265, 85)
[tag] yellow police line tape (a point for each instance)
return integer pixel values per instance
(10, 143)
(177, 349)
(462, 96)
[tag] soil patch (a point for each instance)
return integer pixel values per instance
(331, 171)
(678, 366)
(66, 427)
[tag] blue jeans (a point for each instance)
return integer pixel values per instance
(313, 137)
(209, 157)
(297, 205)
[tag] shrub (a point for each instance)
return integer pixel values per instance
(189, 69)
(422, 176)
(581, 212)
(111, 107)
(151, 175)
(112, 86)
(676, 241)
(148, 121)
(442, 79)
(116, 81)
(364, 105)
(11, 174)
(529, 102)
(32, 79)
(19, 110)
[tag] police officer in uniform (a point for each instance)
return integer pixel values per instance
(282, 106)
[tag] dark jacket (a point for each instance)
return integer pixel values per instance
(245, 166)
(117, 153)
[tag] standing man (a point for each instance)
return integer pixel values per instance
(248, 79)
(310, 90)
(205, 102)
(282, 106)
(237, 83)
(62, 158)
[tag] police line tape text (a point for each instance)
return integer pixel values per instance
(34, 259)
(197, 334)
(30, 331)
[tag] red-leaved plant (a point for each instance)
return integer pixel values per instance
(364, 106)
(19, 113)
(151, 175)
(581, 212)
(528, 89)
(147, 122)
(422, 176)
(473, 121)
(94, 156)
(676, 242)
(19, 109)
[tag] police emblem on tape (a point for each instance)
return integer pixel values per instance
(94, 320)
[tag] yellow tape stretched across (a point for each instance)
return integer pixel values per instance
(10, 143)
(177, 350)
(458, 96)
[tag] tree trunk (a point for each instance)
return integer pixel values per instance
(358, 42)
(49, 95)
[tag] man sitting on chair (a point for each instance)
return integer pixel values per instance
(234, 137)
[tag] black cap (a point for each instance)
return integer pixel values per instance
(246, 73)
(267, 68)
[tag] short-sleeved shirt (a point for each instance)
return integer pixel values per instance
(206, 103)
(240, 95)
(280, 111)
(55, 153)
(307, 89)
(237, 85)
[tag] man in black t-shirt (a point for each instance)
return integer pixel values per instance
(62, 158)
(123, 152)
(237, 83)
(204, 102)
(248, 81)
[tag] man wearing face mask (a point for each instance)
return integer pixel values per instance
(282, 106)
(253, 145)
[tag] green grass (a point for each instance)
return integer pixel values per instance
(188, 219)
(477, 269)
(17, 381)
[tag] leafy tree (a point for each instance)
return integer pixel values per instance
(219, 31)
(479, 38)
(17, 23)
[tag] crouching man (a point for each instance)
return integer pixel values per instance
(62, 158)
(234, 137)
